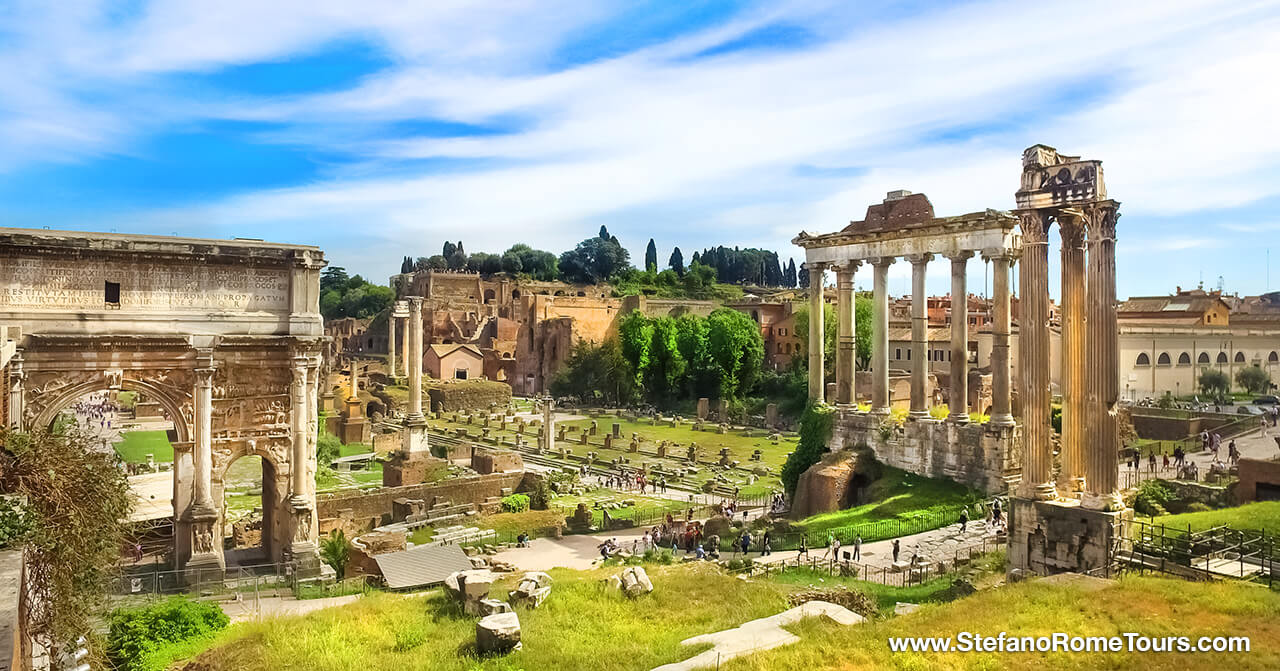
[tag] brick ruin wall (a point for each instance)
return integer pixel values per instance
(969, 454)
(365, 510)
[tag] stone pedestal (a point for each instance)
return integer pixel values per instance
(1048, 537)
(409, 468)
(414, 438)
(354, 430)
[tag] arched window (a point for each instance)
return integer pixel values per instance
(515, 294)
(755, 314)
(489, 296)
(1143, 359)
(1184, 359)
(1222, 357)
(1239, 357)
(1272, 358)
(1163, 359)
(1203, 358)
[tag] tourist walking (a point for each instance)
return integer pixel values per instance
(857, 547)
(804, 547)
(964, 519)
(896, 548)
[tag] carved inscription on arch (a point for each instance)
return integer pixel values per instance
(43, 284)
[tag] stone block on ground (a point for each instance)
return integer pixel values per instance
(635, 582)
(534, 588)
(493, 606)
(498, 633)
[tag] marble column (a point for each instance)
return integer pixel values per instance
(846, 346)
(1001, 413)
(413, 362)
(1033, 357)
(1071, 476)
(16, 380)
(298, 422)
(817, 335)
(314, 369)
(919, 337)
(1102, 351)
(404, 345)
(202, 445)
(880, 337)
(415, 432)
(391, 343)
(959, 401)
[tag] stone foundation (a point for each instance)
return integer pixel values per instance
(411, 469)
(1048, 537)
(829, 485)
(976, 455)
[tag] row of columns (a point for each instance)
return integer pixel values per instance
(846, 340)
(1090, 356)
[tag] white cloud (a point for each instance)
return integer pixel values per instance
(1171, 96)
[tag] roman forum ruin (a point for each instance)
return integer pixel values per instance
(1069, 522)
(225, 335)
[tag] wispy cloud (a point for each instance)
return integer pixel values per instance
(729, 131)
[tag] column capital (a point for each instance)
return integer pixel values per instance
(919, 259)
(846, 266)
(1034, 225)
(960, 255)
(1100, 220)
(882, 261)
(415, 303)
(204, 376)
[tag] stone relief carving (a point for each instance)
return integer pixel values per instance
(202, 538)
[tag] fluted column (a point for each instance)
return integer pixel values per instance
(959, 401)
(312, 414)
(880, 337)
(404, 346)
(1071, 477)
(298, 417)
(817, 334)
(846, 347)
(202, 445)
(1001, 415)
(16, 379)
(1033, 357)
(919, 337)
(391, 343)
(413, 364)
(1102, 351)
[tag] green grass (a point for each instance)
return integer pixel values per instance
(583, 625)
(421, 535)
(127, 399)
(134, 446)
(886, 596)
(354, 448)
(1263, 515)
(508, 525)
(897, 495)
(1149, 606)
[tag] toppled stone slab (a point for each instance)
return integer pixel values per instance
(763, 634)
(469, 587)
(493, 606)
(534, 588)
(498, 633)
(635, 582)
(904, 608)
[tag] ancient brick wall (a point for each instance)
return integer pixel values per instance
(1256, 474)
(367, 509)
(969, 454)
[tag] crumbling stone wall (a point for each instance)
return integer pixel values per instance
(467, 395)
(970, 454)
(365, 510)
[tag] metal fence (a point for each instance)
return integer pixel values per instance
(914, 574)
(1208, 554)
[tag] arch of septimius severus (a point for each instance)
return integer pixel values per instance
(1069, 520)
(225, 335)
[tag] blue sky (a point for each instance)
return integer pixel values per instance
(379, 129)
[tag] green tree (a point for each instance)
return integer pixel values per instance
(862, 313)
(333, 277)
(693, 338)
(1253, 379)
(815, 433)
(737, 348)
(651, 257)
(594, 260)
(667, 366)
(596, 374)
(335, 551)
(635, 336)
(79, 501)
(604, 233)
(511, 262)
(676, 261)
(448, 249)
(1214, 383)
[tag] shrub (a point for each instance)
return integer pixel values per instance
(328, 448)
(136, 634)
(1198, 507)
(15, 522)
(815, 432)
(408, 639)
(1254, 379)
(336, 552)
(1153, 496)
(540, 496)
(515, 503)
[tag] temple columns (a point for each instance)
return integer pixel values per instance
(391, 343)
(1033, 358)
(1001, 414)
(817, 335)
(1070, 478)
(919, 337)
(415, 434)
(959, 401)
(846, 347)
(1102, 374)
(16, 377)
(880, 337)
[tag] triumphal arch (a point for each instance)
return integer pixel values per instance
(225, 335)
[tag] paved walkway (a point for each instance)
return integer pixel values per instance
(1259, 444)
(578, 552)
(932, 546)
